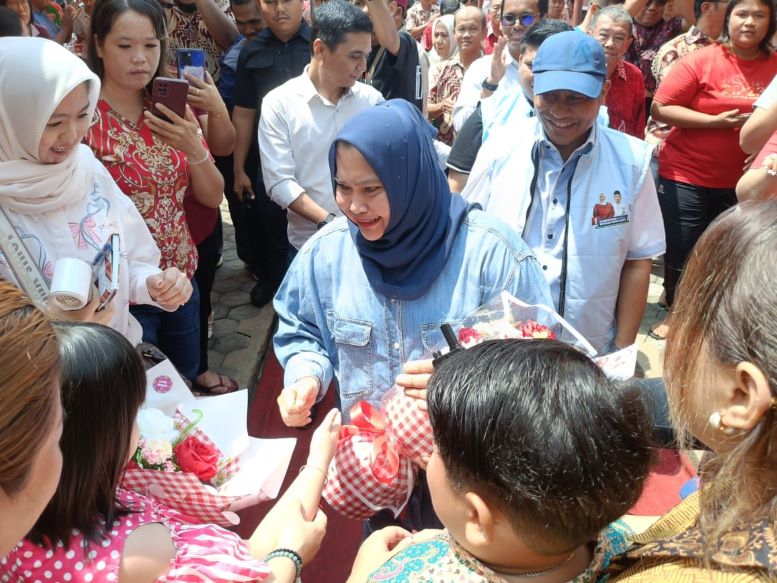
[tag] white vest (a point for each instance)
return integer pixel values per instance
(597, 249)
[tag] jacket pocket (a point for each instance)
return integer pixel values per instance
(432, 338)
(355, 357)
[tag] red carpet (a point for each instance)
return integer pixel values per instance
(662, 487)
(334, 560)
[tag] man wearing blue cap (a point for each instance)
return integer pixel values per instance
(550, 186)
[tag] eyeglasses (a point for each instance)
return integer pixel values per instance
(508, 20)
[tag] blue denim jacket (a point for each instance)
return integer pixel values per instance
(332, 321)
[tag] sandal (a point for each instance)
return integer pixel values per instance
(655, 335)
(224, 386)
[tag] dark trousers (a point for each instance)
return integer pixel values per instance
(209, 251)
(687, 211)
(177, 334)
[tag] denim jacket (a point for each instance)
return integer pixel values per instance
(331, 321)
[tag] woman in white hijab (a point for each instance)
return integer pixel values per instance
(443, 46)
(57, 198)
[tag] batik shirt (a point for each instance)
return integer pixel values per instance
(154, 175)
(646, 43)
(441, 559)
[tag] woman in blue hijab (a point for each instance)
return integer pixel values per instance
(370, 290)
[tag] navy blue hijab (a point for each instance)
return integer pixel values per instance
(397, 142)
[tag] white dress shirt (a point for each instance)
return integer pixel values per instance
(472, 85)
(296, 129)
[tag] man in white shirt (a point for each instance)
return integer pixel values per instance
(498, 71)
(301, 118)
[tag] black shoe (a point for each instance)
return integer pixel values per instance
(261, 295)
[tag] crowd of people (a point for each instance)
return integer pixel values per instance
(388, 169)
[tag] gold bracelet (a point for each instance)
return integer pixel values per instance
(323, 473)
(204, 159)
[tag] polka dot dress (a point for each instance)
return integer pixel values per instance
(204, 552)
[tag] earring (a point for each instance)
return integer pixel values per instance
(717, 422)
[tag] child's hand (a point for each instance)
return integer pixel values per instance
(379, 547)
(415, 380)
(324, 441)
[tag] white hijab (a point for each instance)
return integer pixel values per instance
(446, 21)
(35, 75)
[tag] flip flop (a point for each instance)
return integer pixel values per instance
(653, 334)
(224, 386)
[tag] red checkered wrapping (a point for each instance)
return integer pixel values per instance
(183, 491)
(409, 427)
(352, 488)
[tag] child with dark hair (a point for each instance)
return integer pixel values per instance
(536, 455)
(95, 530)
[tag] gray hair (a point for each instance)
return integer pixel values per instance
(615, 12)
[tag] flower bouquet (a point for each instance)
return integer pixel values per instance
(508, 317)
(195, 458)
(373, 468)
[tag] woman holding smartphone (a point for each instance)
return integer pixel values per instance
(156, 162)
(706, 98)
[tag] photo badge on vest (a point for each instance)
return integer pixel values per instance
(609, 211)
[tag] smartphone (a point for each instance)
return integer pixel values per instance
(171, 93)
(105, 268)
(191, 61)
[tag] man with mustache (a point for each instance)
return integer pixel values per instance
(546, 186)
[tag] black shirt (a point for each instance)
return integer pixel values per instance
(467, 143)
(266, 63)
(398, 76)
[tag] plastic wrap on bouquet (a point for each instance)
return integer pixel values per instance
(368, 473)
(219, 470)
(508, 317)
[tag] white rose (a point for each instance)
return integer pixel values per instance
(155, 425)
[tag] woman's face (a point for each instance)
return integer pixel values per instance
(360, 193)
(130, 52)
(442, 41)
(748, 24)
(66, 127)
(31, 500)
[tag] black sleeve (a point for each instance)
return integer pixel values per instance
(407, 65)
(467, 144)
(244, 94)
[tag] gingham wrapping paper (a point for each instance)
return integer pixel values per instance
(409, 428)
(353, 491)
(183, 491)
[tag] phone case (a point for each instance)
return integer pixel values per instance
(191, 61)
(106, 271)
(171, 93)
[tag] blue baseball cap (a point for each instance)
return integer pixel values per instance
(570, 61)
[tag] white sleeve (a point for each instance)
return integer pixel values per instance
(768, 97)
(278, 168)
(648, 238)
(469, 94)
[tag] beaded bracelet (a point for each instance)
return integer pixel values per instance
(293, 555)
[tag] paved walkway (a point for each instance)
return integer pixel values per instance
(243, 332)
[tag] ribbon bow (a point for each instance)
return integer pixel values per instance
(366, 419)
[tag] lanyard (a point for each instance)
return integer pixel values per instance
(535, 158)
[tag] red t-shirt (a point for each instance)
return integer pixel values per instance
(711, 80)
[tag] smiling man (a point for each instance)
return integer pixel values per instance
(301, 118)
(547, 189)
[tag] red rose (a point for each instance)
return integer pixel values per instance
(198, 458)
(468, 335)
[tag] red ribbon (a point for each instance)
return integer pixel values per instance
(384, 460)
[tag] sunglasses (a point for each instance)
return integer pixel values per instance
(509, 20)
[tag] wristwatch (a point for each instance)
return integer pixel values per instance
(489, 86)
(329, 218)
